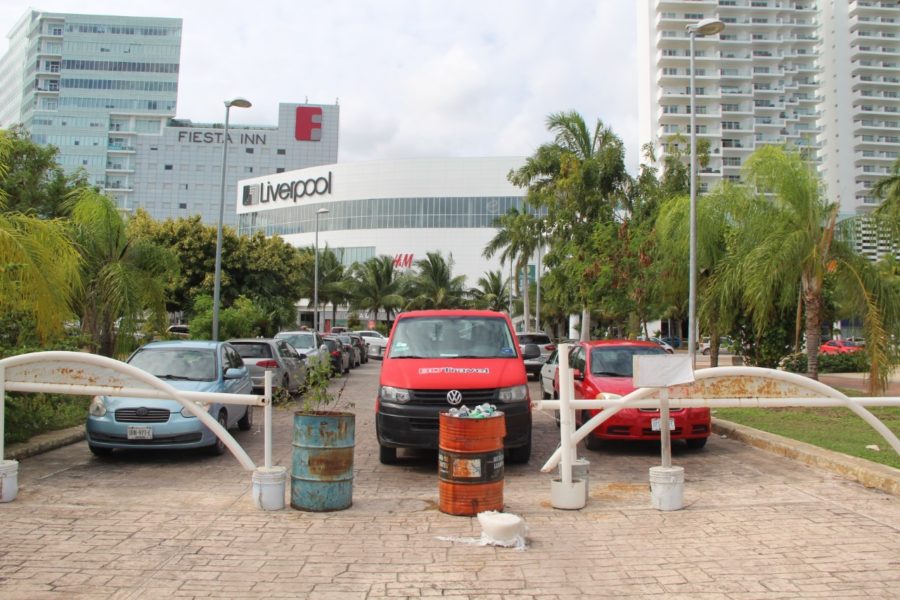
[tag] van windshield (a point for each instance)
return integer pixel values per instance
(452, 337)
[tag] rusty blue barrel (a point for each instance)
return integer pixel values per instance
(322, 464)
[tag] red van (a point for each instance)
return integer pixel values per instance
(440, 359)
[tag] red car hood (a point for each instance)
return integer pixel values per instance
(613, 385)
(459, 373)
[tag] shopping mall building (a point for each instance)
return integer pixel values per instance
(399, 208)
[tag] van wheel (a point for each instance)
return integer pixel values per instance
(387, 456)
(520, 454)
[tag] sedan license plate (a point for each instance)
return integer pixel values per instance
(140, 433)
(655, 423)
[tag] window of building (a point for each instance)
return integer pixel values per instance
(248, 150)
(279, 170)
(167, 167)
(182, 205)
(281, 151)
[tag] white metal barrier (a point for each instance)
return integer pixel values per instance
(80, 373)
(711, 388)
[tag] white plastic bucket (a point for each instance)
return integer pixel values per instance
(268, 487)
(9, 480)
(581, 468)
(667, 488)
(567, 497)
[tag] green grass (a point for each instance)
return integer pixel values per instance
(835, 429)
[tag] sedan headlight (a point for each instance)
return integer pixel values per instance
(516, 393)
(97, 407)
(392, 394)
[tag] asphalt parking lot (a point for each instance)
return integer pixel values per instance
(154, 525)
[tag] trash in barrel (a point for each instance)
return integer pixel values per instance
(470, 461)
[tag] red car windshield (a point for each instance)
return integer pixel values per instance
(617, 361)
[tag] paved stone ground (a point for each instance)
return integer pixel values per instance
(183, 525)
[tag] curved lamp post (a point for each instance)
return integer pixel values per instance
(703, 28)
(321, 211)
(240, 103)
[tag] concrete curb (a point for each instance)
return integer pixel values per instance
(44, 443)
(869, 474)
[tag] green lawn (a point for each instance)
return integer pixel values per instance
(835, 429)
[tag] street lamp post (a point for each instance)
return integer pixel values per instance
(217, 286)
(321, 211)
(701, 29)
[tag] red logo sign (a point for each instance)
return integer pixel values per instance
(308, 127)
(403, 261)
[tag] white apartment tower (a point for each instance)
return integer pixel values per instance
(822, 75)
(89, 84)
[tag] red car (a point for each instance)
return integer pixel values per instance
(840, 347)
(606, 366)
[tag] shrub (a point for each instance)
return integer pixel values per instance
(853, 362)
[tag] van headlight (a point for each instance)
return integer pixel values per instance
(516, 393)
(392, 394)
(97, 407)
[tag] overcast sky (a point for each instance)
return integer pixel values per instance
(414, 78)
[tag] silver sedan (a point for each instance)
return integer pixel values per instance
(266, 354)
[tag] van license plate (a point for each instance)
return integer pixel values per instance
(140, 433)
(655, 423)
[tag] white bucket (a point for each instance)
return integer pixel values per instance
(268, 487)
(667, 488)
(581, 469)
(9, 480)
(568, 497)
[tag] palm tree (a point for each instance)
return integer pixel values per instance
(124, 278)
(334, 285)
(38, 263)
(376, 286)
(434, 286)
(888, 190)
(492, 291)
(579, 180)
(518, 237)
(788, 239)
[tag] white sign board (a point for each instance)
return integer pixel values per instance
(658, 371)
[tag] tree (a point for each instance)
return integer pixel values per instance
(492, 292)
(888, 190)
(787, 239)
(376, 287)
(579, 181)
(434, 286)
(123, 277)
(518, 237)
(38, 264)
(334, 285)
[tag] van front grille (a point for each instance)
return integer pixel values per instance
(470, 398)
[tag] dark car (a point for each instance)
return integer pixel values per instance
(360, 342)
(340, 354)
(355, 353)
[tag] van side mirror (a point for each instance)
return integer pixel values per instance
(530, 351)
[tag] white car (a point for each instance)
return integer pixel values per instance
(548, 372)
(376, 341)
(306, 342)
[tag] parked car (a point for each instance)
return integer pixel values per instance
(267, 354)
(544, 344)
(662, 344)
(376, 342)
(725, 345)
(548, 372)
(438, 359)
(178, 331)
(841, 347)
(355, 358)
(339, 353)
(672, 340)
(308, 343)
(143, 423)
(361, 345)
(606, 366)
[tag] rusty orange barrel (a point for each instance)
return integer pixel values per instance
(470, 464)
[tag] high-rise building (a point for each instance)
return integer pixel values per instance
(821, 75)
(103, 90)
(88, 84)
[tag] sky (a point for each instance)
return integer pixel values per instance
(413, 78)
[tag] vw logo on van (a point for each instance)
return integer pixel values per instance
(454, 397)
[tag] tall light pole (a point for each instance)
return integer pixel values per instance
(240, 103)
(321, 211)
(701, 29)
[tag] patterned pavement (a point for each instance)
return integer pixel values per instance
(183, 525)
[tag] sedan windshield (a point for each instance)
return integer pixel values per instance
(195, 364)
(452, 337)
(617, 361)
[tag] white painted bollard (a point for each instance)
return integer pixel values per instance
(9, 480)
(568, 496)
(268, 487)
(581, 470)
(667, 488)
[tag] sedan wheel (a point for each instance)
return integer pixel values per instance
(218, 448)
